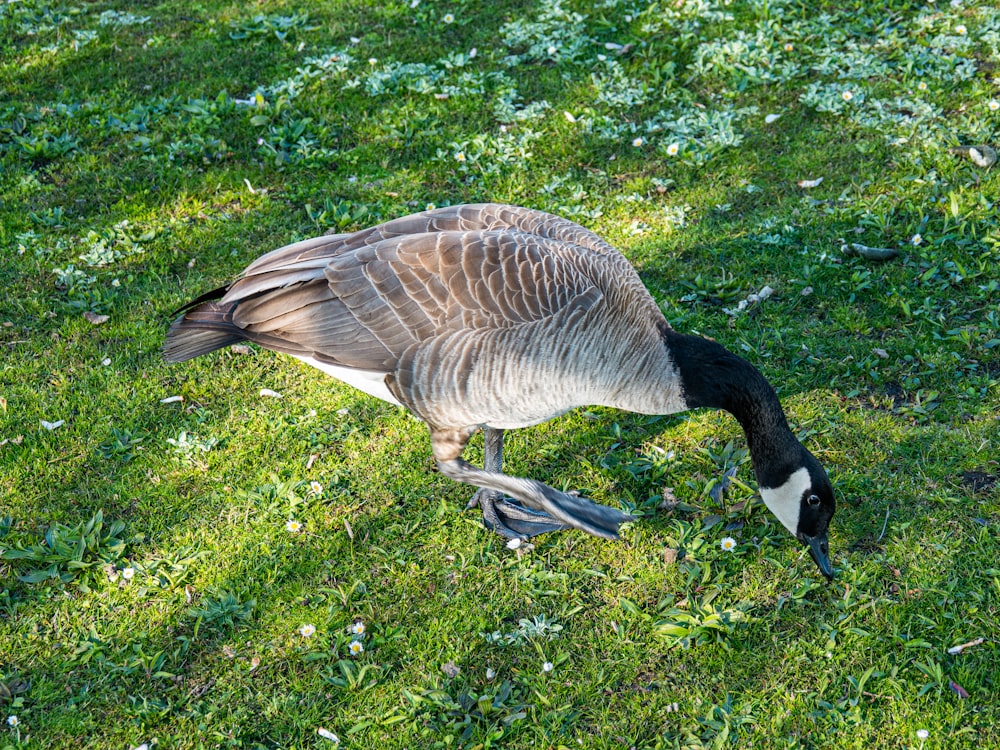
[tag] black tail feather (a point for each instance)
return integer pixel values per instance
(207, 327)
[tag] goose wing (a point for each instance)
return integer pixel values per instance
(362, 304)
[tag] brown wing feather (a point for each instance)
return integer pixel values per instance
(363, 299)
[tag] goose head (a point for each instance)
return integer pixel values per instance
(801, 497)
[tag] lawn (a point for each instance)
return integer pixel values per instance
(239, 552)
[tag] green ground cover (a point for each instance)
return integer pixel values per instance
(152, 588)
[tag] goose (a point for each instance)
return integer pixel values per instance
(496, 317)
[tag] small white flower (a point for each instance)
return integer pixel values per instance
(460, 156)
(846, 95)
(293, 526)
(472, 53)
(357, 628)
(326, 734)
(429, 207)
(448, 18)
(637, 142)
(13, 721)
(672, 149)
(961, 30)
(106, 361)
(115, 283)
(316, 487)
(548, 666)
(994, 105)
(923, 734)
(552, 49)
(260, 141)
(728, 544)
(307, 631)
(789, 47)
(128, 573)
(916, 239)
(922, 86)
(356, 648)
(373, 61)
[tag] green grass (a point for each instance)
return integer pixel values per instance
(146, 159)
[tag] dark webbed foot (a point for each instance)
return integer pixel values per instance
(510, 519)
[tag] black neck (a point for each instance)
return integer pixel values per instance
(715, 378)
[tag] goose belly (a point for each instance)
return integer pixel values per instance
(372, 383)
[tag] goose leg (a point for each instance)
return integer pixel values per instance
(504, 515)
(547, 506)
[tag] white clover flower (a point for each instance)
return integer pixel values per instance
(316, 487)
(637, 142)
(916, 239)
(548, 666)
(357, 628)
(994, 105)
(923, 734)
(13, 721)
(128, 573)
(293, 526)
(307, 631)
(846, 96)
(448, 18)
(356, 648)
(673, 148)
(728, 544)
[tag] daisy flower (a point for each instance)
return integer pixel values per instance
(728, 544)
(916, 239)
(922, 86)
(672, 149)
(846, 96)
(356, 648)
(994, 105)
(128, 573)
(357, 628)
(637, 142)
(448, 18)
(307, 631)
(316, 487)
(293, 526)
(13, 721)
(460, 156)
(961, 30)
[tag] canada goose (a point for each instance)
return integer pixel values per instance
(496, 317)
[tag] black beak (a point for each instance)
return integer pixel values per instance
(820, 551)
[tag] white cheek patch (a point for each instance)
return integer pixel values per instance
(786, 501)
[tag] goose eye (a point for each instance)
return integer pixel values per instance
(813, 500)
